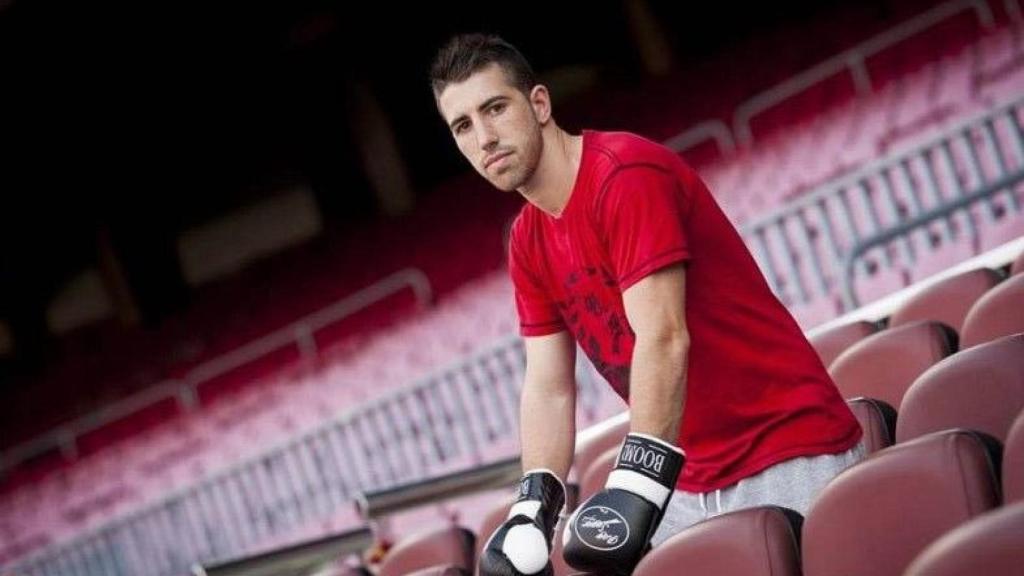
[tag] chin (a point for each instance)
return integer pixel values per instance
(505, 186)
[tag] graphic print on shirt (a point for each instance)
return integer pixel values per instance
(583, 310)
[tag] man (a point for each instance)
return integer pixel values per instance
(622, 249)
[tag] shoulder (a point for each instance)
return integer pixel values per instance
(618, 150)
(523, 228)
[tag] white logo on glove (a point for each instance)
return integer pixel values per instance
(601, 528)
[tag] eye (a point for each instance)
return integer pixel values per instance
(460, 127)
(498, 108)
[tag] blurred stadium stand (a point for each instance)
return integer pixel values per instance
(880, 191)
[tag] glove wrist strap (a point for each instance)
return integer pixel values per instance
(540, 497)
(647, 467)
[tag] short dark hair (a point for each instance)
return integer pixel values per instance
(466, 54)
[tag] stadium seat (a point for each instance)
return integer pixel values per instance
(444, 570)
(1018, 265)
(876, 516)
(1013, 462)
(979, 389)
(989, 544)
(450, 545)
(1000, 312)
(884, 365)
(946, 301)
(877, 419)
(492, 519)
(831, 343)
(587, 451)
(752, 542)
(594, 478)
(345, 570)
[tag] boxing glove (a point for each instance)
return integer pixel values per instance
(522, 545)
(609, 533)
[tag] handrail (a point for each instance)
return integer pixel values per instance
(501, 474)
(853, 59)
(874, 166)
(299, 332)
(902, 229)
(713, 129)
(295, 559)
(882, 308)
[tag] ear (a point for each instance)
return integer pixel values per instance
(540, 101)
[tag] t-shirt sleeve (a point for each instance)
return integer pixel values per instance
(538, 313)
(642, 211)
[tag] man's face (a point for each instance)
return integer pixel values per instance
(495, 127)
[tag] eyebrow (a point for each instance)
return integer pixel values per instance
(483, 106)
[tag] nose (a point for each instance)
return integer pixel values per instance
(486, 136)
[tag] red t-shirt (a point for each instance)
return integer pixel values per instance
(757, 394)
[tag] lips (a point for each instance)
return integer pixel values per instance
(492, 159)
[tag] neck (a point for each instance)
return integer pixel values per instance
(551, 184)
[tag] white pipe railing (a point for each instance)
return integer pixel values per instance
(852, 60)
(299, 333)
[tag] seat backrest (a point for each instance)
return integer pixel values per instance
(492, 519)
(832, 342)
(989, 544)
(751, 542)
(587, 451)
(596, 476)
(947, 300)
(1018, 265)
(1013, 462)
(1000, 312)
(876, 516)
(877, 419)
(443, 570)
(884, 365)
(979, 389)
(449, 545)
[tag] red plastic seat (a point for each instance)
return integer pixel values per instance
(878, 515)
(752, 542)
(1018, 265)
(1013, 462)
(884, 365)
(833, 342)
(990, 544)
(450, 545)
(587, 451)
(1000, 312)
(444, 570)
(979, 389)
(594, 478)
(948, 300)
(877, 419)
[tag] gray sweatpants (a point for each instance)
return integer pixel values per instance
(792, 483)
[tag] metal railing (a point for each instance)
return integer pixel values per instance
(301, 558)
(323, 470)
(805, 248)
(463, 416)
(709, 129)
(851, 60)
(299, 333)
(905, 230)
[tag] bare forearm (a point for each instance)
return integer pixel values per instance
(657, 388)
(548, 428)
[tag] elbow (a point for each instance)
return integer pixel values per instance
(668, 339)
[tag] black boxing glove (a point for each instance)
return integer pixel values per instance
(522, 545)
(609, 533)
